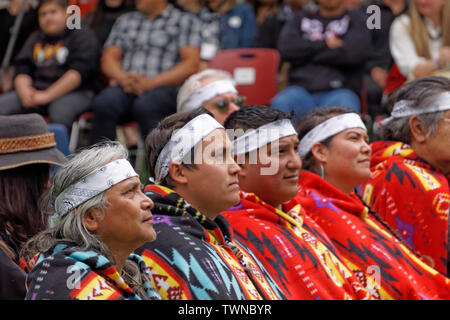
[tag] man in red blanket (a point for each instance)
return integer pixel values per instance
(292, 247)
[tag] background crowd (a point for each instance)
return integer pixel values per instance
(190, 234)
(130, 53)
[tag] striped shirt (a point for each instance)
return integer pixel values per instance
(152, 46)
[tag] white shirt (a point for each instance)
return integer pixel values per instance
(402, 46)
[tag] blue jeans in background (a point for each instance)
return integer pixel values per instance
(61, 137)
(62, 142)
(113, 106)
(297, 99)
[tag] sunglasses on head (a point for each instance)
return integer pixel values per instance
(223, 104)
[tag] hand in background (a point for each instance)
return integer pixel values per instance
(26, 97)
(127, 82)
(333, 42)
(142, 84)
(40, 97)
(15, 5)
(444, 57)
(379, 75)
(135, 83)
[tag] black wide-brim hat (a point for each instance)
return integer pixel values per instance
(25, 139)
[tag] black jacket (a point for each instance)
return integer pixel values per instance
(269, 30)
(380, 54)
(315, 66)
(12, 278)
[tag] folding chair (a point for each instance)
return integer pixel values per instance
(255, 71)
(83, 122)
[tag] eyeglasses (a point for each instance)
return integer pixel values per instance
(223, 104)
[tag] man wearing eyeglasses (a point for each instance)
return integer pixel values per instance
(213, 90)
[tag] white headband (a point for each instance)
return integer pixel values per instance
(182, 141)
(263, 135)
(402, 108)
(328, 129)
(93, 184)
(208, 92)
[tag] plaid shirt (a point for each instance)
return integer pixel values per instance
(210, 33)
(152, 46)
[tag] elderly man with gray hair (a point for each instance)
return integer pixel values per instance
(213, 90)
(103, 217)
(409, 187)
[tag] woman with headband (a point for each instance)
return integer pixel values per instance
(293, 248)
(409, 186)
(103, 217)
(196, 255)
(336, 159)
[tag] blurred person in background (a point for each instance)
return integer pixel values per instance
(420, 39)
(213, 90)
(331, 43)
(148, 54)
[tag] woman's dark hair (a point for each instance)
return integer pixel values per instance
(20, 191)
(422, 92)
(160, 136)
(254, 116)
(308, 122)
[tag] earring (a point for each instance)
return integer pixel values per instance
(322, 172)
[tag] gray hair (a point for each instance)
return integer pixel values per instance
(423, 92)
(193, 84)
(70, 229)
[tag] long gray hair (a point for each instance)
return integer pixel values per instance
(70, 228)
(423, 92)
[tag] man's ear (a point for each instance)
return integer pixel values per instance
(320, 152)
(92, 219)
(418, 130)
(177, 173)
